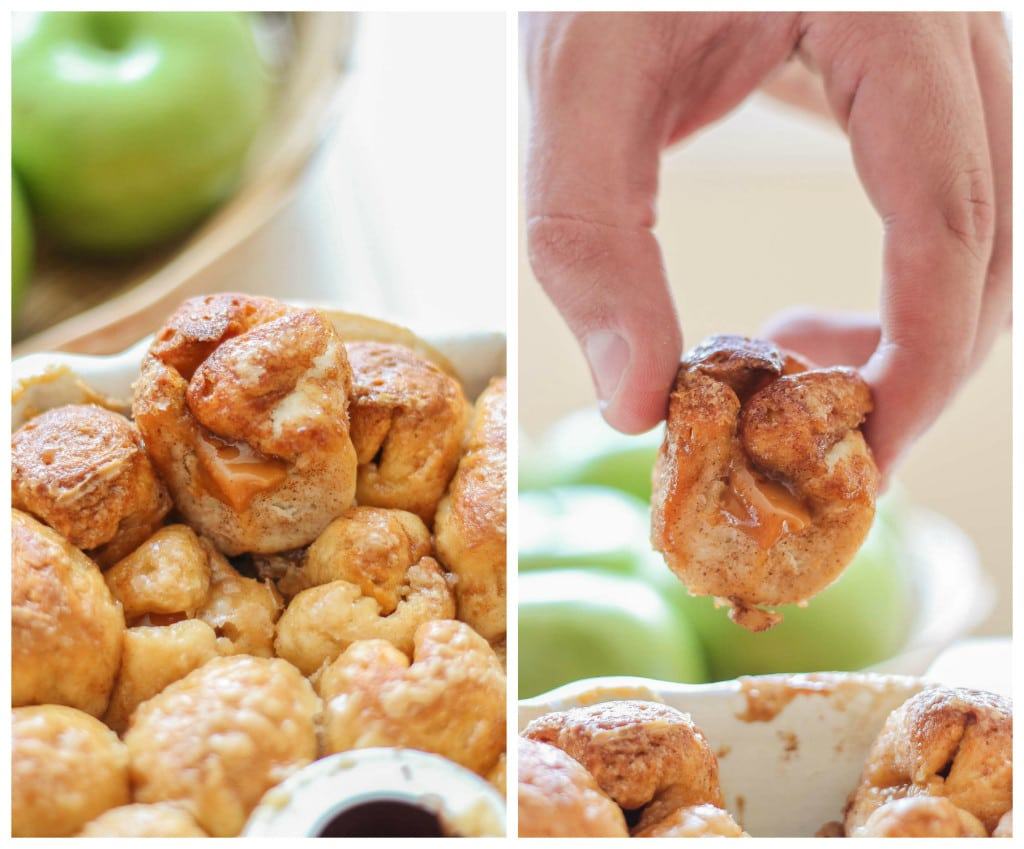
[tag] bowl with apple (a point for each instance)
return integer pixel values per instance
(149, 145)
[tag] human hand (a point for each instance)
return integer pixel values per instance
(925, 100)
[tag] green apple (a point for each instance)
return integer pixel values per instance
(584, 449)
(127, 127)
(577, 624)
(860, 620)
(582, 526)
(22, 243)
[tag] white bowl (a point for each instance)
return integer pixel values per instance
(790, 747)
(45, 380)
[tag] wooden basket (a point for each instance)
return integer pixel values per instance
(99, 307)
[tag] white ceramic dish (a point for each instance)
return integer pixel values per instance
(42, 381)
(76, 378)
(790, 748)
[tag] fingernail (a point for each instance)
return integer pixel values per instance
(608, 355)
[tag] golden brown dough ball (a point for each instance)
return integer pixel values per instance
(66, 629)
(955, 743)
(243, 403)
(694, 821)
(371, 547)
(764, 487)
(83, 471)
(154, 657)
(160, 820)
(223, 735)
(168, 574)
(321, 622)
(242, 611)
(642, 754)
(559, 798)
(920, 816)
(66, 769)
(470, 523)
(408, 422)
(449, 700)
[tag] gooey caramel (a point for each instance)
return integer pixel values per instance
(763, 509)
(234, 473)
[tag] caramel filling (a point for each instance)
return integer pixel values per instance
(234, 473)
(763, 509)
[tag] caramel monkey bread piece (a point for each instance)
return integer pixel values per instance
(450, 700)
(470, 523)
(764, 487)
(369, 546)
(950, 743)
(647, 757)
(243, 403)
(83, 470)
(159, 820)
(408, 423)
(167, 576)
(694, 821)
(920, 816)
(559, 798)
(154, 657)
(66, 629)
(223, 735)
(242, 611)
(66, 768)
(381, 584)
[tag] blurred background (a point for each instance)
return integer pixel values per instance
(377, 185)
(760, 212)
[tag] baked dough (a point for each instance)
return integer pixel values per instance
(408, 423)
(243, 403)
(764, 487)
(951, 743)
(450, 699)
(66, 769)
(470, 523)
(559, 798)
(223, 735)
(66, 629)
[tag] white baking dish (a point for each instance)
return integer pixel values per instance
(790, 747)
(42, 381)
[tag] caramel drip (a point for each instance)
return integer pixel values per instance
(234, 473)
(763, 509)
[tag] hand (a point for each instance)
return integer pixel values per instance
(925, 100)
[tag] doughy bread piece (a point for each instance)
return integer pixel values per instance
(66, 629)
(920, 816)
(66, 768)
(450, 699)
(646, 757)
(243, 403)
(83, 470)
(764, 487)
(559, 798)
(408, 424)
(223, 735)
(470, 524)
(160, 820)
(950, 743)
(153, 658)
